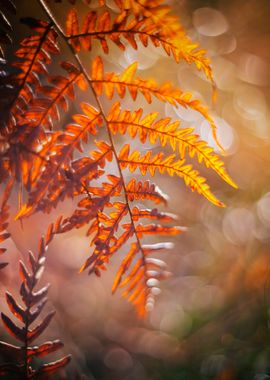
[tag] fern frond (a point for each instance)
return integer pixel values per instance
(127, 80)
(35, 106)
(104, 227)
(163, 163)
(44, 108)
(61, 179)
(35, 149)
(18, 145)
(141, 275)
(53, 172)
(167, 132)
(34, 302)
(88, 208)
(111, 233)
(171, 29)
(102, 28)
(106, 243)
(34, 55)
(156, 229)
(138, 190)
(154, 214)
(57, 149)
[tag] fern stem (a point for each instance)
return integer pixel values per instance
(98, 103)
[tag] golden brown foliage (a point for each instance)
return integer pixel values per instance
(50, 161)
(44, 159)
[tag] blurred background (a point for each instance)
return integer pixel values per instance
(211, 320)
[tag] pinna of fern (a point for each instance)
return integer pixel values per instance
(147, 20)
(18, 140)
(20, 358)
(34, 108)
(109, 208)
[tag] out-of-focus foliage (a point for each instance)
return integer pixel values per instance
(20, 359)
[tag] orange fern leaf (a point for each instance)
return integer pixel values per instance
(34, 54)
(88, 208)
(27, 153)
(111, 233)
(43, 109)
(168, 133)
(163, 163)
(138, 190)
(141, 275)
(52, 166)
(155, 28)
(152, 214)
(60, 178)
(111, 82)
(171, 31)
(106, 242)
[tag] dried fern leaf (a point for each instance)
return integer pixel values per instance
(61, 178)
(34, 302)
(140, 274)
(109, 83)
(167, 132)
(100, 27)
(108, 206)
(89, 207)
(163, 163)
(34, 55)
(44, 108)
(138, 190)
